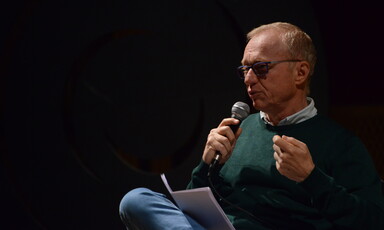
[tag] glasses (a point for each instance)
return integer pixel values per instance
(259, 68)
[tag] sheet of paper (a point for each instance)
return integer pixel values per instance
(201, 205)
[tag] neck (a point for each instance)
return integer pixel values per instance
(286, 110)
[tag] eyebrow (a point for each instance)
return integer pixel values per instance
(251, 63)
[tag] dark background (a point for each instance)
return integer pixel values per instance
(99, 97)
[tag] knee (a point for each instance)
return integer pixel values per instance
(134, 201)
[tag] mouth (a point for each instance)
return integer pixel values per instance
(253, 93)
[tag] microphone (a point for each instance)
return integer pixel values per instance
(240, 111)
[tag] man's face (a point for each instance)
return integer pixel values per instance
(276, 90)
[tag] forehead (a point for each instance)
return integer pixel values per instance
(266, 46)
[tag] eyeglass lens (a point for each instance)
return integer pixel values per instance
(260, 69)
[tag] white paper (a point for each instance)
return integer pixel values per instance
(201, 205)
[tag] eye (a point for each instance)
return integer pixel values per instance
(261, 68)
(245, 68)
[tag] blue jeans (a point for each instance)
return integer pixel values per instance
(144, 209)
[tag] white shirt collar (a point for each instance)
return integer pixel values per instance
(308, 112)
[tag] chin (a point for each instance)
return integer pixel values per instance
(262, 105)
(257, 105)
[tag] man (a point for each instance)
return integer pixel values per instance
(286, 167)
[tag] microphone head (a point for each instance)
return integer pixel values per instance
(240, 110)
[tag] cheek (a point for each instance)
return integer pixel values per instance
(269, 88)
(277, 91)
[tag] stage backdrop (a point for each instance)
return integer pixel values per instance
(99, 97)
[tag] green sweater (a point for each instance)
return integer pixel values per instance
(342, 192)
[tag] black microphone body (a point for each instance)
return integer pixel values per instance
(240, 111)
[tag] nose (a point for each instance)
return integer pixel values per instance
(250, 78)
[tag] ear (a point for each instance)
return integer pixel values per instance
(302, 72)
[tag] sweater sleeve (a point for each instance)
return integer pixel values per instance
(199, 176)
(349, 196)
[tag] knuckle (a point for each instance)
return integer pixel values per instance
(213, 131)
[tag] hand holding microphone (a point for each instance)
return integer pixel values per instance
(222, 139)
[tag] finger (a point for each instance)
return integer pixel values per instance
(223, 143)
(293, 141)
(284, 145)
(229, 121)
(284, 169)
(221, 139)
(225, 157)
(217, 142)
(226, 132)
(281, 169)
(217, 148)
(277, 149)
(296, 143)
(277, 157)
(275, 138)
(278, 167)
(283, 159)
